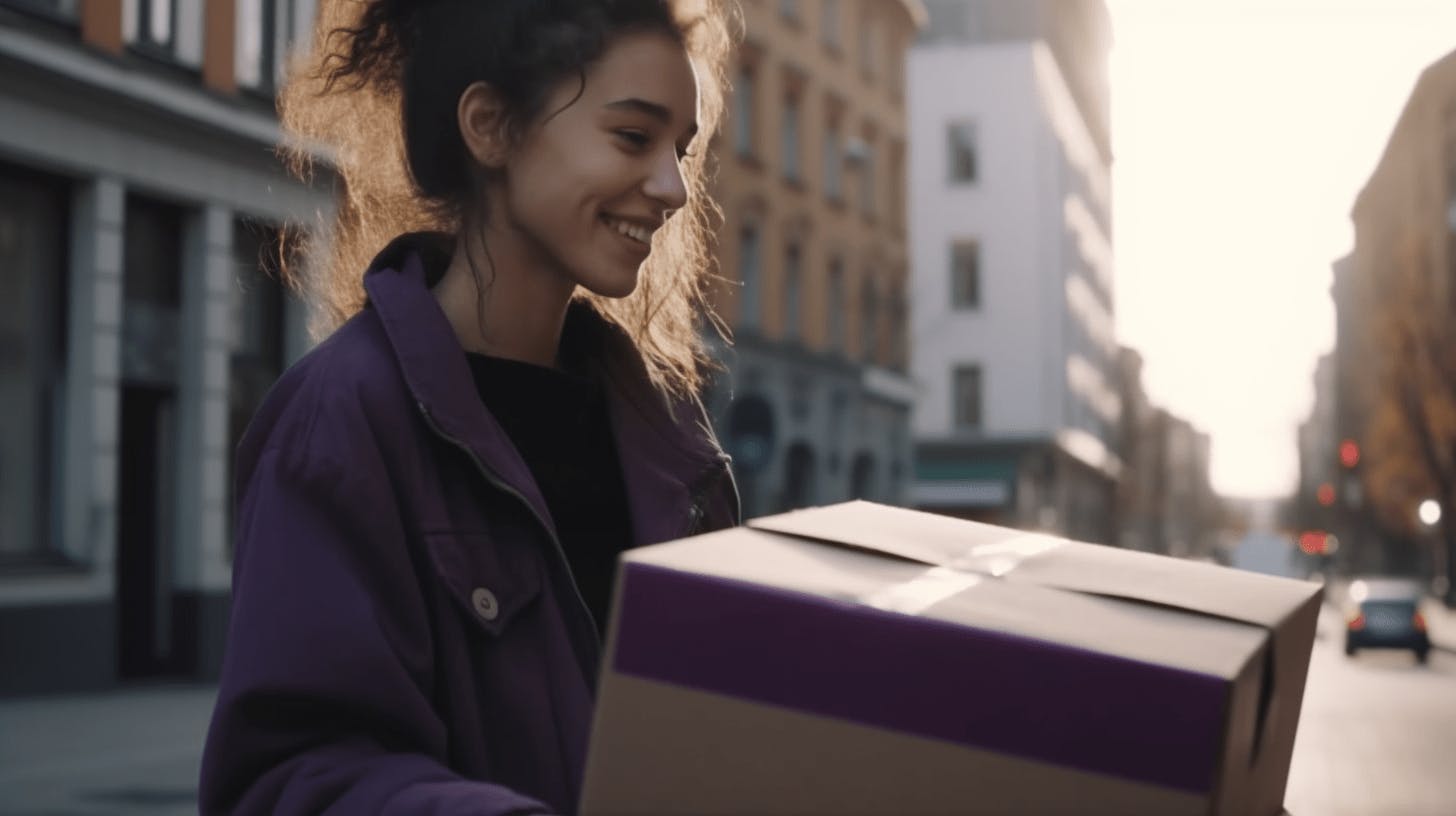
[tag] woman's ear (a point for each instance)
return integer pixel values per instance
(481, 115)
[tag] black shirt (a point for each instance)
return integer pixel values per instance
(559, 422)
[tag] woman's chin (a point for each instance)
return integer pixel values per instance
(614, 285)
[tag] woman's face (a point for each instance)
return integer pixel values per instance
(586, 189)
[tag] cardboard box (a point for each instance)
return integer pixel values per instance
(861, 659)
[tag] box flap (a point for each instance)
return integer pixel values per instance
(863, 576)
(1048, 561)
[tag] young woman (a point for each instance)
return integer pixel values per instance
(432, 501)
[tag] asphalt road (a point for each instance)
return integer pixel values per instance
(1377, 734)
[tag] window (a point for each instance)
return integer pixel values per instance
(966, 410)
(167, 29)
(267, 31)
(897, 185)
(155, 22)
(790, 137)
(749, 262)
(33, 219)
(965, 275)
(833, 161)
(743, 107)
(793, 290)
(868, 202)
(961, 141)
(836, 304)
(869, 42)
(869, 319)
(829, 23)
(899, 346)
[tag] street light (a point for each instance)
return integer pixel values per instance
(1430, 512)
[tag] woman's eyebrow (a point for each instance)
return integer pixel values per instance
(656, 111)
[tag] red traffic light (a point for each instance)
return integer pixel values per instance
(1349, 453)
(1326, 494)
(1313, 542)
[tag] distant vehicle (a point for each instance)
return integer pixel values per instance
(1384, 613)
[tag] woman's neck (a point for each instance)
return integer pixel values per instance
(519, 307)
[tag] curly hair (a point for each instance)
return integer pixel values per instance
(377, 93)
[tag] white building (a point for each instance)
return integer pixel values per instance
(139, 195)
(1010, 232)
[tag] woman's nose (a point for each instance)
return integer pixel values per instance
(665, 184)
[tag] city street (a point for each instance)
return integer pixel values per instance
(1377, 734)
(121, 753)
(1377, 738)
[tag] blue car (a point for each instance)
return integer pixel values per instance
(1386, 615)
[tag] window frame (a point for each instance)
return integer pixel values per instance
(745, 111)
(963, 298)
(750, 286)
(793, 323)
(968, 377)
(791, 137)
(954, 152)
(48, 330)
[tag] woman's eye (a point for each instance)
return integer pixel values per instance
(635, 138)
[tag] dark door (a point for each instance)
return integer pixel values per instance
(152, 638)
(146, 489)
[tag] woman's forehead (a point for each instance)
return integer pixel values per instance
(648, 67)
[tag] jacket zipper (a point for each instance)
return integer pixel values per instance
(500, 484)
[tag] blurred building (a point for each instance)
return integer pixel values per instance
(1140, 482)
(1405, 232)
(815, 401)
(139, 207)
(1318, 441)
(1165, 499)
(1010, 231)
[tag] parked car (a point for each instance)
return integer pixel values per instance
(1385, 614)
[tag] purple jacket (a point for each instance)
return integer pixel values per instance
(406, 636)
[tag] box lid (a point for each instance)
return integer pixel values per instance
(1047, 561)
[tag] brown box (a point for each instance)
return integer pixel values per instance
(860, 659)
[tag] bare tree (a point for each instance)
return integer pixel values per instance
(1410, 448)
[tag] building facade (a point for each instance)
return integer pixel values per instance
(1012, 333)
(1165, 499)
(140, 213)
(814, 399)
(1403, 266)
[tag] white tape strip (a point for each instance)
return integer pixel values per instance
(923, 591)
(929, 588)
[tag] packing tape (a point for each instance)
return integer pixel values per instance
(979, 563)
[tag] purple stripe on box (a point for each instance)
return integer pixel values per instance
(979, 688)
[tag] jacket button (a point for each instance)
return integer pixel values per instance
(486, 605)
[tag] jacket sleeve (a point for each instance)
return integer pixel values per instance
(323, 704)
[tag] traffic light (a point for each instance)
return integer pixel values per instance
(1326, 494)
(1317, 542)
(1349, 453)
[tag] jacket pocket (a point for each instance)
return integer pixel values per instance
(490, 586)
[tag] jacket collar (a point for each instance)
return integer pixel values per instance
(665, 446)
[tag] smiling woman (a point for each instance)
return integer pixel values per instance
(432, 502)
(382, 90)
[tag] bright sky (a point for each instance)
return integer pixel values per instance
(1242, 131)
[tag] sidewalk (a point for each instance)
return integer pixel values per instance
(1440, 624)
(135, 751)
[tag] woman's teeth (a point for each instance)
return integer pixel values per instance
(633, 231)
